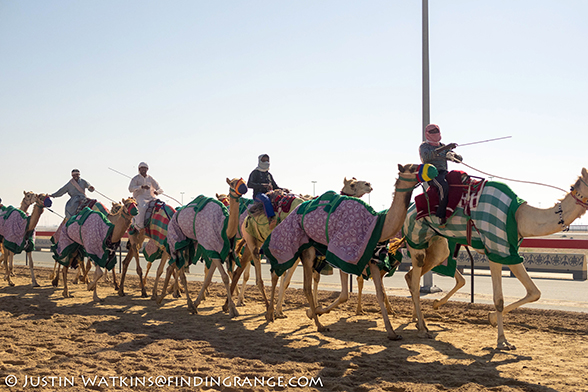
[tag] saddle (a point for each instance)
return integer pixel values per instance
(283, 203)
(86, 203)
(463, 188)
(153, 206)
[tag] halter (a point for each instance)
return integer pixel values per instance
(580, 199)
(238, 190)
(407, 180)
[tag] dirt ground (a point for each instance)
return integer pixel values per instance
(129, 343)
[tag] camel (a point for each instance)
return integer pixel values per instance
(430, 249)
(352, 188)
(203, 228)
(15, 245)
(96, 235)
(348, 231)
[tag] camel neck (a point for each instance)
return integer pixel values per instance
(397, 211)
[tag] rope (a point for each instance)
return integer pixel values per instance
(509, 179)
(103, 195)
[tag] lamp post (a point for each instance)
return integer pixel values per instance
(182, 193)
(313, 189)
(428, 286)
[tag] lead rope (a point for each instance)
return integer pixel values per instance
(510, 179)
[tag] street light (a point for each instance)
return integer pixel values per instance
(313, 189)
(182, 193)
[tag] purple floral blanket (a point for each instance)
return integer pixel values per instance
(343, 228)
(89, 232)
(197, 231)
(13, 228)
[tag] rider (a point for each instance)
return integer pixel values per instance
(76, 188)
(144, 189)
(434, 152)
(261, 181)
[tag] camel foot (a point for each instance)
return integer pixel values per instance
(225, 307)
(97, 299)
(91, 286)
(425, 334)
(281, 315)
(193, 309)
(10, 283)
(54, 282)
(269, 317)
(437, 304)
(177, 294)
(395, 337)
(35, 284)
(493, 319)
(121, 293)
(233, 312)
(309, 314)
(144, 293)
(154, 297)
(505, 345)
(322, 328)
(359, 312)
(75, 281)
(67, 295)
(240, 303)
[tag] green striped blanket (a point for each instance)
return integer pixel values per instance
(495, 227)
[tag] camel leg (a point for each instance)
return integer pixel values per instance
(359, 309)
(284, 283)
(496, 272)
(125, 266)
(316, 279)
(56, 271)
(343, 296)
(227, 282)
(269, 314)
(459, 283)
(66, 293)
(168, 275)
(139, 271)
(388, 306)
(241, 294)
(175, 288)
(97, 275)
(418, 260)
(377, 278)
(533, 294)
(162, 263)
(205, 284)
(254, 248)
(29, 256)
(234, 282)
(182, 273)
(7, 261)
(308, 256)
(147, 273)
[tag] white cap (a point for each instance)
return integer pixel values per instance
(143, 164)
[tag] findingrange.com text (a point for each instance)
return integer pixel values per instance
(160, 381)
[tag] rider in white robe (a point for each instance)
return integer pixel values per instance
(144, 189)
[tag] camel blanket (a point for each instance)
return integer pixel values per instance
(258, 226)
(13, 229)
(345, 229)
(88, 232)
(494, 227)
(199, 230)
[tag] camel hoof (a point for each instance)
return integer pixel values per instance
(425, 334)
(395, 337)
(54, 283)
(233, 312)
(36, 284)
(322, 328)
(437, 304)
(269, 317)
(359, 312)
(225, 308)
(10, 283)
(505, 346)
(154, 298)
(309, 314)
(493, 319)
(144, 294)
(121, 293)
(281, 315)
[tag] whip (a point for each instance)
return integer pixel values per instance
(123, 174)
(451, 146)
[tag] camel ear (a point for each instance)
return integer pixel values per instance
(584, 172)
(346, 181)
(228, 181)
(400, 168)
(353, 178)
(217, 196)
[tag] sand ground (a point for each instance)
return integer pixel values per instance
(130, 343)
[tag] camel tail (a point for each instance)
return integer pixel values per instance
(240, 246)
(395, 244)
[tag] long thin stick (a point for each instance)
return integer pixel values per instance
(484, 141)
(123, 174)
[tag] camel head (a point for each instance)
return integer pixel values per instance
(237, 187)
(223, 199)
(43, 200)
(579, 190)
(129, 207)
(29, 198)
(355, 187)
(415, 174)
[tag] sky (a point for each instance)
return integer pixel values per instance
(329, 89)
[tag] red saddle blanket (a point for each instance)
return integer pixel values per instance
(459, 182)
(283, 203)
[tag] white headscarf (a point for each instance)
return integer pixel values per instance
(263, 166)
(143, 164)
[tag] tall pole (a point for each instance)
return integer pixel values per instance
(428, 277)
(313, 190)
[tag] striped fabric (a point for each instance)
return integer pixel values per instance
(494, 225)
(157, 227)
(13, 228)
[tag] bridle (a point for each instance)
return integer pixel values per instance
(400, 177)
(580, 199)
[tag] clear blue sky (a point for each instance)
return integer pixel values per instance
(198, 89)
